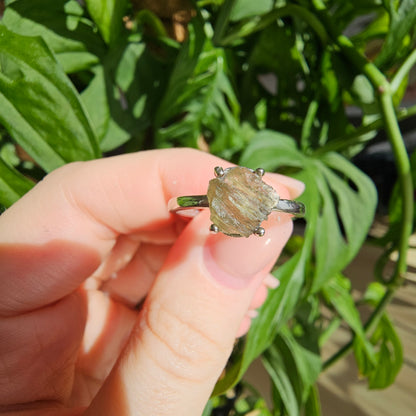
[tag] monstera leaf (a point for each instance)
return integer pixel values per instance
(340, 202)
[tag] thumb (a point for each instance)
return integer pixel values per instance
(187, 328)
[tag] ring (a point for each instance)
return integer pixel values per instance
(239, 201)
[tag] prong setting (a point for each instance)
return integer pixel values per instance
(214, 228)
(219, 171)
(259, 231)
(260, 171)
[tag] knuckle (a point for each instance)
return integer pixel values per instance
(178, 345)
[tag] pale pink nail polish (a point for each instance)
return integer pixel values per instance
(234, 261)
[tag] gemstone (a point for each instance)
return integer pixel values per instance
(239, 201)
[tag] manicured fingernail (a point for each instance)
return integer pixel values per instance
(252, 313)
(294, 186)
(271, 282)
(234, 261)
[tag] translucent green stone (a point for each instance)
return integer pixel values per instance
(240, 201)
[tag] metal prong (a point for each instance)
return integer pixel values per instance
(219, 171)
(214, 228)
(259, 231)
(260, 171)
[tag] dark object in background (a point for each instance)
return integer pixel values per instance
(377, 161)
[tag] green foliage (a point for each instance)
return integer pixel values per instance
(264, 84)
(41, 108)
(13, 184)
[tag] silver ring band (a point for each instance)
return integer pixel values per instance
(193, 202)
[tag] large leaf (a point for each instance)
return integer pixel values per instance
(40, 107)
(272, 150)
(340, 201)
(108, 15)
(63, 27)
(343, 199)
(13, 184)
(279, 306)
(348, 204)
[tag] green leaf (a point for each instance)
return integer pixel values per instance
(185, 65)
(247, 8)
(382, 371)
(349, 200)
(340, 199)
(108, 15)
(313, 404)
(200, 102)
(134, 82)
(277, 309)
(209, 106)
(402, 24)
(374, 293)
(40, 107)
(272, 150)
(63, 27)
(389, 356)
(335, 228)
(306, 360)
(337, 292)
(94, 98)
(376, 29)
(13, 185)
(275, 366)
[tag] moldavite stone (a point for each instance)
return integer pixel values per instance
(239, 201)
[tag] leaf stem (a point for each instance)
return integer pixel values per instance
(405, 181)
(403, 71)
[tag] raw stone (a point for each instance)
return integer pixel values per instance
(240, 201)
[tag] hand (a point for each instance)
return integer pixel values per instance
(90, 242)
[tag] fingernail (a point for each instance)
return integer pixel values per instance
(252, 313)
(294, 186)
(271, 282)
(233, 261)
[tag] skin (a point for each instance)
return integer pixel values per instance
(90, 242)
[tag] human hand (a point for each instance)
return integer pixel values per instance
(88, 243)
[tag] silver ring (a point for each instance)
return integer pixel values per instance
(239, 201)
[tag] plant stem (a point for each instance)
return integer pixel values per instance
(382, 86)
(405, 181)
(403, 71)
